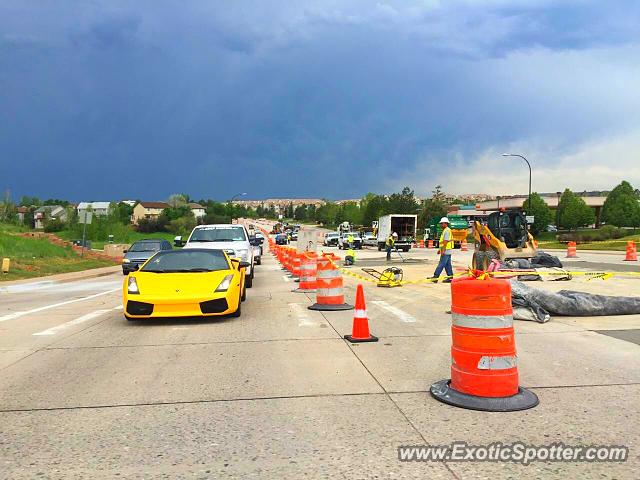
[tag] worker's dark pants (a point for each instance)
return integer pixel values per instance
(444, 264)
(389, 253)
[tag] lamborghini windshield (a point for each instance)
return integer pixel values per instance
(178, 261)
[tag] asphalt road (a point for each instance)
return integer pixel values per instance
(278, 393)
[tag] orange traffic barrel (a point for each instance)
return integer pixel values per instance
(463, 245)
(632, 254)
(430, 244)
(296, 259)
(572, 250)
(329, 287)
(421, 243)
(308, 273)
(484, 367)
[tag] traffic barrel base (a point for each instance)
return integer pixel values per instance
(522, 400)
(330, 307)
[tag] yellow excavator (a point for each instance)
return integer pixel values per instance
(504, 236)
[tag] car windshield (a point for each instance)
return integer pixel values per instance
(218, 234)
(179, 261)
(332, 235)
(145, 247)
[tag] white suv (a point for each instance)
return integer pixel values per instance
(233, 239)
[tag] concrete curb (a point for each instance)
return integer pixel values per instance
(67, 277)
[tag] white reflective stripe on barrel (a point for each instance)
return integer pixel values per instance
(328, 273)
(497, 363)
(329, 292)
(481, 321)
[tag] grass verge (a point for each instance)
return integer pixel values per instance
(36, 257)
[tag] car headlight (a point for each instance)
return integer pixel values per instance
(243, 254)
(224, 284)
(132, 286)
(126, 260)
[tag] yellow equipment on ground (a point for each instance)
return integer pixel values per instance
(390, 277)
(504, 236)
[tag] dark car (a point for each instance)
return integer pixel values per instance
(141, 251)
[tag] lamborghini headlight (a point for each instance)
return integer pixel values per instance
(224, 284)
(132, 286)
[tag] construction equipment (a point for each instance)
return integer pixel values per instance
(390, 277)
(504, 236)
(458, 225)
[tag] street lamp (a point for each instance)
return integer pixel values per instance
(529, 165)
(559, 194)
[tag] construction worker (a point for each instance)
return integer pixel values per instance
(350, 257)
(445, 249)
(390, 244)
(350, 240)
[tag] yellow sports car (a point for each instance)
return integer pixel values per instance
(185, 283)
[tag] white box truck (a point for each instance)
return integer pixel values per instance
(405, 225)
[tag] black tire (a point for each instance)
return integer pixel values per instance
(259, 261)
(248, 281)
(244, 294)
(405, 249)
(125, 273)
(379, 247)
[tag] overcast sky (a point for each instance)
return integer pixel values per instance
(115, 99)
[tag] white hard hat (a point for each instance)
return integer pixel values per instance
(444, 220)
(395, 234)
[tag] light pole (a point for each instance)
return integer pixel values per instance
(559, 194)
(231, 202)
(529, 165)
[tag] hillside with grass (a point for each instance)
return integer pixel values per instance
(35, 257)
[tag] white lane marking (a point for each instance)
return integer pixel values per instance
(401, 314)
(286, 279)
(26, 287)
(119, 307)
(303, 316)
(14, 315)
(77, 321)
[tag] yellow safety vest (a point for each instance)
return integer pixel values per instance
(390, 241)
(450, 245)
(351, 253)
(350, 239)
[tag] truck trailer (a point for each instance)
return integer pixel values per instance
(405, 225)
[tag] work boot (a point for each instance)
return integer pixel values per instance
(448, 280)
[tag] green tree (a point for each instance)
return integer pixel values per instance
(574, 212)
(300, 212)
(431, 207)
(541, 212)
(621, 208)
(403, 202)
(373, 207)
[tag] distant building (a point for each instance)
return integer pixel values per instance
(48, 212)
(99, 209)
(198, 210)
(22, 211)
(149, 210)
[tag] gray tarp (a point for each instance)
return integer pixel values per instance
(543, 303)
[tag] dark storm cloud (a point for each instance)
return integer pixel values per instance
(106, 100)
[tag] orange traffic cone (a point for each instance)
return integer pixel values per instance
(632, 254)
(360, 331)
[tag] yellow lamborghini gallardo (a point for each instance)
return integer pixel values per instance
(185, 283)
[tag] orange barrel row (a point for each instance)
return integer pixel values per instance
(329, 287)
(308, 272)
